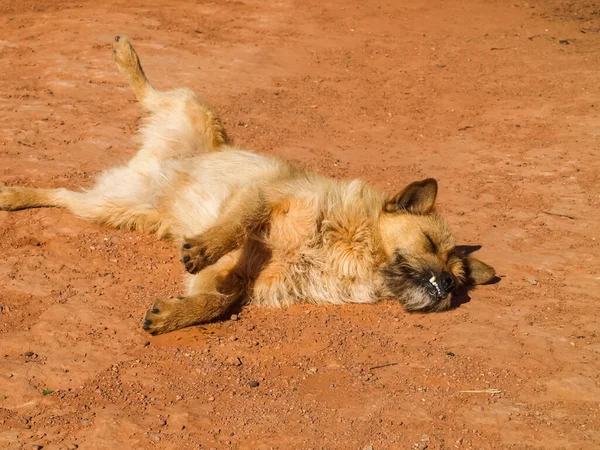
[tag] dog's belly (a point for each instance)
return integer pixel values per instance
(191, 191)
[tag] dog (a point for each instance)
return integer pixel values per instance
(257, 229)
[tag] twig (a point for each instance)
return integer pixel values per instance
(383, 365)
(564, 216)
(485, 391)
(325, 348)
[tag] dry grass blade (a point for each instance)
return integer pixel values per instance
(484, 391)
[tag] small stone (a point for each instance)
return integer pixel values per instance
(146, 344)
(563, 42)
(368, 447)
(36, 446)
(253, 383)
(28, 354)
(72, 447)
(234, 361)
(1, 308)
(234, 317)
(533, 281)
(312, 370)
(442, 417)
(154, 437)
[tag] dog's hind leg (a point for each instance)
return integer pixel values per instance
(16, 198)
(180, 123)
(128, 62)
(211, 294)
(116, 200)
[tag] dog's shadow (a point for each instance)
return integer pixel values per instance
(460, 296)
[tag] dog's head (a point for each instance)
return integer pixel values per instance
(424, 266)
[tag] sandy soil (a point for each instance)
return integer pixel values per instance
(498, 100)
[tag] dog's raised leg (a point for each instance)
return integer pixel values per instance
(128, 62)
(197, 127)
(211, 294)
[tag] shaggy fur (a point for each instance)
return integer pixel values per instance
(255, 228)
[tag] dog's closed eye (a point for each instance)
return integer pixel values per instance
(432, 245)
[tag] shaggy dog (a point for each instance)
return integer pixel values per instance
(256, 229)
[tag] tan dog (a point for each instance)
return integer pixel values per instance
(257, 229)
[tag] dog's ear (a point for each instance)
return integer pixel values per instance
(478, 272)
(417, 198)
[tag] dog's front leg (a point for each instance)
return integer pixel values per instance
(244, 211)
(210, 295)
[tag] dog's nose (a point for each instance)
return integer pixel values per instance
(447, 282)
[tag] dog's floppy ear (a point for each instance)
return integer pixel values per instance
(478, 272)
(417, 198)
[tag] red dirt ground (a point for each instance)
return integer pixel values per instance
(498, 100)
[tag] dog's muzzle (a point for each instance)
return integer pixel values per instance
(441, 285)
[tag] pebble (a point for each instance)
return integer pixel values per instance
(1, 308)
(72, 447)
(29, 354)
(37, 446)
(234, 361)
(234, 317)
(368, 447)
(253, 383)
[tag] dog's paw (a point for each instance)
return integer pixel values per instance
(123, 53)
(196, 255)
(9, 200)
(3, 194)
(164, 316)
